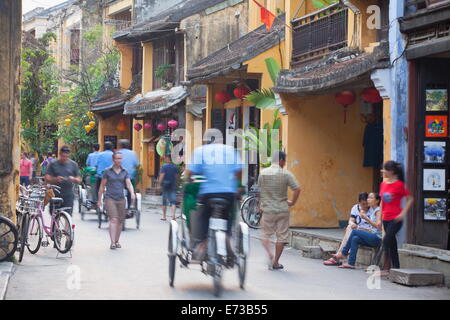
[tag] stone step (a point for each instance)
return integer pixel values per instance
(416, 277)
(313, 252)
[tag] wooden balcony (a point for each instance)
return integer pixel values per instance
(318, 33)
(416, 7)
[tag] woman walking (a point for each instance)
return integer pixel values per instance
(115, 179)
(392, 192)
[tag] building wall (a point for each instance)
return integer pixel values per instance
(144, 9)
(37, 24)
(107, 127)
(326, 157)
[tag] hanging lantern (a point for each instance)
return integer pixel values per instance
(137, 126)
(87, 128)
(172, 124)
(222, 97)
(121, 126)
(161, 127)
(345, 98)
(92, 124)
(371, 95)
(241, 91)
(67, 121)
(148, 126)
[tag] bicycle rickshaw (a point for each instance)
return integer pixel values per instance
(218, 255)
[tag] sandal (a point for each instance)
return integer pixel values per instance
(118, 245)
(346, 266)
(113, 246)
(280, 266)
(163, 219)
(339, 256)
(332, 262)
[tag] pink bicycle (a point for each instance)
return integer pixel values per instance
(61, 230)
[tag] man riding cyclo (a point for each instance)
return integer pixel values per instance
(220, 166)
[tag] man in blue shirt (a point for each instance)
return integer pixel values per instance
(129, 163)
(104, 161)
(220, 165)
(91, 160)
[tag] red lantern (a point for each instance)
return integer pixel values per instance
(172, 123)
(121, 126)
(137, 126)
(371, 95)
(241, 91)
(222, 97)
(345, 98)
(161, 127)
(148, 126)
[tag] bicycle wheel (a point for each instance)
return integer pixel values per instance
(23, 235)
(250, 212)
(172, 257)
(9, 237)
(242, 259)
(63, 233)
(34, 235)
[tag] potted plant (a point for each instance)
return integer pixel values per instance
(162, 72)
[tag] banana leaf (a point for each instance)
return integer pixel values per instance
(273, 68)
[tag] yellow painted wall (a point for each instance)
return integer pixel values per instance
(126, 64)
(387, 123)
(107, 127)
(147, 69)
(326, 157)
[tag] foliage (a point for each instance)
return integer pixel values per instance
(162, 72)
(320, 4)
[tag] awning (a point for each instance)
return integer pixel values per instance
(110, 104)
(155, 101)
(196, 109)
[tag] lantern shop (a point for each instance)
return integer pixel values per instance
(156, 115)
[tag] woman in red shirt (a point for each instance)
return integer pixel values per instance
(392, 191)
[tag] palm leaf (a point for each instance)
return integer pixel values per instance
(273, 68)
(262, 99)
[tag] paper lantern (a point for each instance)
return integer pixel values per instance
(121, 126)
(148, 126)
(161, 127)
(371, 95)
(87, 128)
(137, 126)
(172, 123)
(222, 97)
(67, 121)
(92, 124)
(345, 99)
(241, 91)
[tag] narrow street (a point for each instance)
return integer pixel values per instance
(140, 271)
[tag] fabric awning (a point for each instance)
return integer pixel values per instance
(155, 101)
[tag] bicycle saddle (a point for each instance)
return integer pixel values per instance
(57, 201)
(218, 202)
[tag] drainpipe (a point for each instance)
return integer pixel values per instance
(357, 13)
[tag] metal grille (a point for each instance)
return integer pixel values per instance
(318, 33)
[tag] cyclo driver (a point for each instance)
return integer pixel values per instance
(220, 165)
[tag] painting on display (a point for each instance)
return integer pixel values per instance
(436, 100)
(434, 152)
(435, 209)
(436, 126)
(434, 179)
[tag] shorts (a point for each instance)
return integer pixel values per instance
(276, 223)
(169, 197)
(25, 181)
(115, 208)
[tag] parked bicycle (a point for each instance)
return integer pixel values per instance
(250, 209)
(9, 238)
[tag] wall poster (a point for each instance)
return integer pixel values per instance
(434, 179)
(436, 126)
(435, 209)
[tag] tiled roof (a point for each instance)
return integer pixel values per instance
(342, 67)
(167, 19)
(115, 101)
(230, 58)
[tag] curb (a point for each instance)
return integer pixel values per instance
(6, 269)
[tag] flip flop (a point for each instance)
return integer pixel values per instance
(346, 266)
(280, 266)
(113, 246)
(332, 262)
(163, 219)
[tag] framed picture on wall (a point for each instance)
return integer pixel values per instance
(434, 152)
(435, 209)
(436, 126)
(436, 100)
(434, 179)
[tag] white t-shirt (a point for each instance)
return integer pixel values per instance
(354, 213)
(372, 214)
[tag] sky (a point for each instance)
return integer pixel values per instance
(28, 5)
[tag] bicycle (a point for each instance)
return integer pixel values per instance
(9, 238)
(61, 230)
(250, 210)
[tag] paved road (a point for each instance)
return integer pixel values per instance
(139, 271)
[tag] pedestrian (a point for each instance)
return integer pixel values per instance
(168, 177)
(130, 162)
(92, 157)
(64, 172)
(273, 183)
(45, 163)
(392, 192)
(104, 160)
(115, 179)
(26, 170)
(34, 162)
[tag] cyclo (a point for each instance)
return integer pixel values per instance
(219, 255)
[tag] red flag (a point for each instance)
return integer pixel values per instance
(267, 17)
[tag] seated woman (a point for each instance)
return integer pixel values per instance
(353, 222)
(368, 232)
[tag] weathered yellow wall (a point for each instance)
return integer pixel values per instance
(107, 127)
(326, 157)
(147, 70)
(387, 123)
(118, 7)
(126, 64)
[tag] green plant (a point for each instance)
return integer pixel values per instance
(162, 72)
(320, 4)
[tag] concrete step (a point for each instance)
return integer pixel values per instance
(313, 252)
(416, 277)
